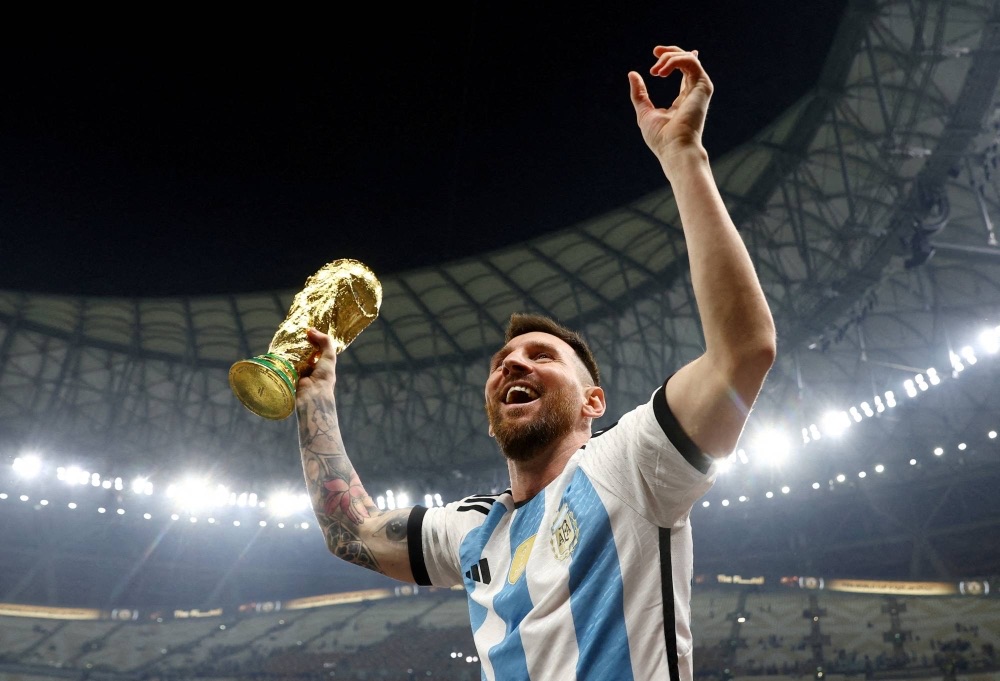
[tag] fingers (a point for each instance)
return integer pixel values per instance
(318, 338)
(669, 59)
(638, 93)
(324, 351)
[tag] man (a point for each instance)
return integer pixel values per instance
(581, 569)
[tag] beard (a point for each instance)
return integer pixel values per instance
(522, 441)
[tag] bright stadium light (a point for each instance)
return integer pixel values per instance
(990, 340)
(772, 446)
(284, 504)
(835, 423)
(27, 466)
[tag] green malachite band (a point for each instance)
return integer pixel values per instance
(265, 362)
(288, 365)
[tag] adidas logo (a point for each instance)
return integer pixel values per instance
(480, 572)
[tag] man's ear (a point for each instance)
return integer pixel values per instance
(594, 404)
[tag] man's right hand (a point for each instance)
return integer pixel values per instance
(322, 371)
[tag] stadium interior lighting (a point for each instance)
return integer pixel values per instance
(27, 466)
(772, 447)
(938, 451)
(284, 504)
(835, 423)
(990, 340)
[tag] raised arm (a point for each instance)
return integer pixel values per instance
(353, 526)
(711, 397)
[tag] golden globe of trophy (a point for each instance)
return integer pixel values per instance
(341, 299)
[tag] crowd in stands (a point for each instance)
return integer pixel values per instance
(428, 637)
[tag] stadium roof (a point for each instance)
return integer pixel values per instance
(868, 206)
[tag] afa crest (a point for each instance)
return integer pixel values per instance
(565, 533)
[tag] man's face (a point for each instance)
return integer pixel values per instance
(535, 394)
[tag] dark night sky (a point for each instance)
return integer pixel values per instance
(230, 159)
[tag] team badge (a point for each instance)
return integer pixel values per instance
(565, 533)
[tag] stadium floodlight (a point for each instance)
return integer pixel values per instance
(990, 340)
(911, 390)
(439, 502)
(284, 504)
(191, 495)
(402, 500)
(932, 376)
(956, 362)
(968, 354)
(380, 502)
(879, 468)
(992, 435)
(772, 446)
(962, 446)
(938, 451)
(139, 485)
(27, 466)
(835, 423)
(890, 399)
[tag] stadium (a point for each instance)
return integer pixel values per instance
(154, 528)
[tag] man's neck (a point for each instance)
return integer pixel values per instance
(528, 478)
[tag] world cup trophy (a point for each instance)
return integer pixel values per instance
(341, 299)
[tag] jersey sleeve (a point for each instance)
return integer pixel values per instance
(434, 538)
(650, 463)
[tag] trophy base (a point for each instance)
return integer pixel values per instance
(265, 385)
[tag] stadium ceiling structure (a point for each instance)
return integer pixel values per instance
(868, 207)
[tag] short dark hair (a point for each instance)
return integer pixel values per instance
(521, 324)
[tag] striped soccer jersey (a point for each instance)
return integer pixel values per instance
(590, 578)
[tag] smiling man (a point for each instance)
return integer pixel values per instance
(582, 568)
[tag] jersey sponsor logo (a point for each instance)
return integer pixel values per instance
(519, 562)
(565, 533)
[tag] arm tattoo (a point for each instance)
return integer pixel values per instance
(340, 501)
(394, 527)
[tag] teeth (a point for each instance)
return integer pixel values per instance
(520, 388)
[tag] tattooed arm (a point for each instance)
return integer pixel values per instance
(353, 526)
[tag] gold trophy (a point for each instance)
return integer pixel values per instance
(341, 299)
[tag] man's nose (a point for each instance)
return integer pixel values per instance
(514, 363)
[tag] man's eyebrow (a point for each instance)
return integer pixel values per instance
(532, 345)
